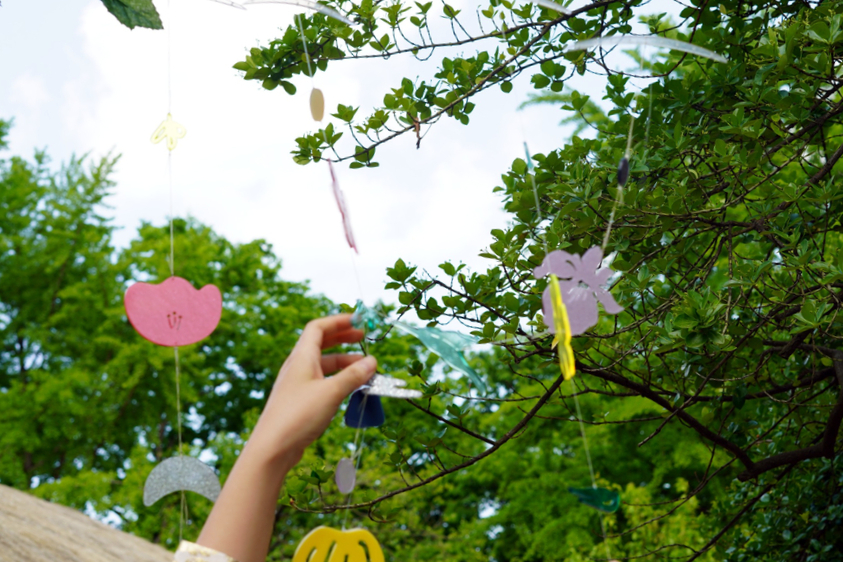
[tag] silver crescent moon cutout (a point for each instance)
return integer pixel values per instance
(309, 4)
(651, 40)
(180, 473)
(231, 3)
(553, 6)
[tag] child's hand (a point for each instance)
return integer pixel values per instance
(303, 401)
(299, 409)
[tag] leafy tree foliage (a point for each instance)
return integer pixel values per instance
(728, 244)
(87, 407)
(134, 13)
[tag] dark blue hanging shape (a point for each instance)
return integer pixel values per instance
(364, 410)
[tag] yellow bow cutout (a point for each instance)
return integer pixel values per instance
(562, 341)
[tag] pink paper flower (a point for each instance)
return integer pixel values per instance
(580, 281)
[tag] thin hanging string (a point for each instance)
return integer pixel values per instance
(573, 386)
(356, 455)
(358, 434)
(172, 260)
(619, 198)
(170, 152)
(325, 138)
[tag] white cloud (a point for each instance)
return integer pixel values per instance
(234, 172)
(29, 91)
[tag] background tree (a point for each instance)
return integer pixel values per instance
(728, 241)
(87, 407)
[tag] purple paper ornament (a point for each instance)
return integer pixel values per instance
(580, 281)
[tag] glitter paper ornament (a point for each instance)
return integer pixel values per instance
(648, 40)
(390, 387)
(180, 473)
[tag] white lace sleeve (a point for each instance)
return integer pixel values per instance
(190, 552)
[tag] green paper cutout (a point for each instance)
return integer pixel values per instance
(449, 346)
(602, 499)
(366, 319)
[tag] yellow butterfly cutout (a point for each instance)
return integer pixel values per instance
(562, 341)
(324, 544)
(170, 130)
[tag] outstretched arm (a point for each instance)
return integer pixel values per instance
(300, 407)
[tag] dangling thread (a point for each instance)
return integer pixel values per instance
(623, 174)
(358, 434)
(561, 341)
(172, 260)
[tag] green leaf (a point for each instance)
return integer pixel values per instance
(135, 13)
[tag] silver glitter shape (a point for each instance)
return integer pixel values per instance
(180, 473)
(345, 476)
(381, 385)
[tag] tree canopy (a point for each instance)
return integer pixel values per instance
(727, 241)
(712, 403)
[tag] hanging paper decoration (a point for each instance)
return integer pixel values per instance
(180, 473)
(623, 171)
(173, 313)
(562, 327)
(364, 411)
(390, 387)
(649, 40)
(346, 475)
(324, 544)
(316, 7)
(553, 6)
(366, 319)
(605, 500)
(229, 3)
(581, 287)
(449, 346)
(317, 104)
(170, 130)
(346, 221)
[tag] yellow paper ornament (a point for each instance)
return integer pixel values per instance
(563, 331)
(170, 130)
(324, 544)
(317, 104)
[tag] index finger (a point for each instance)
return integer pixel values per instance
(317, 330)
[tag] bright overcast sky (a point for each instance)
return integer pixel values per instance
(77, 81)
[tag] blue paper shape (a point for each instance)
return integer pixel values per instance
(364, 410)
(449, 347)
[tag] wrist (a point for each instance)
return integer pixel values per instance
(269, 455)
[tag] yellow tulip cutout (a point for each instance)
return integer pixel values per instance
(563, 331)
(324, 544)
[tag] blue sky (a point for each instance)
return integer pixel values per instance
(76, 81)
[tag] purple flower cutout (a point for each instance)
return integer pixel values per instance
(580, 282)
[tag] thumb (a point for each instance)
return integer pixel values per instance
(355, 375)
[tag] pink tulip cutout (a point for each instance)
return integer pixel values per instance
(580, 281)
(173, 313)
